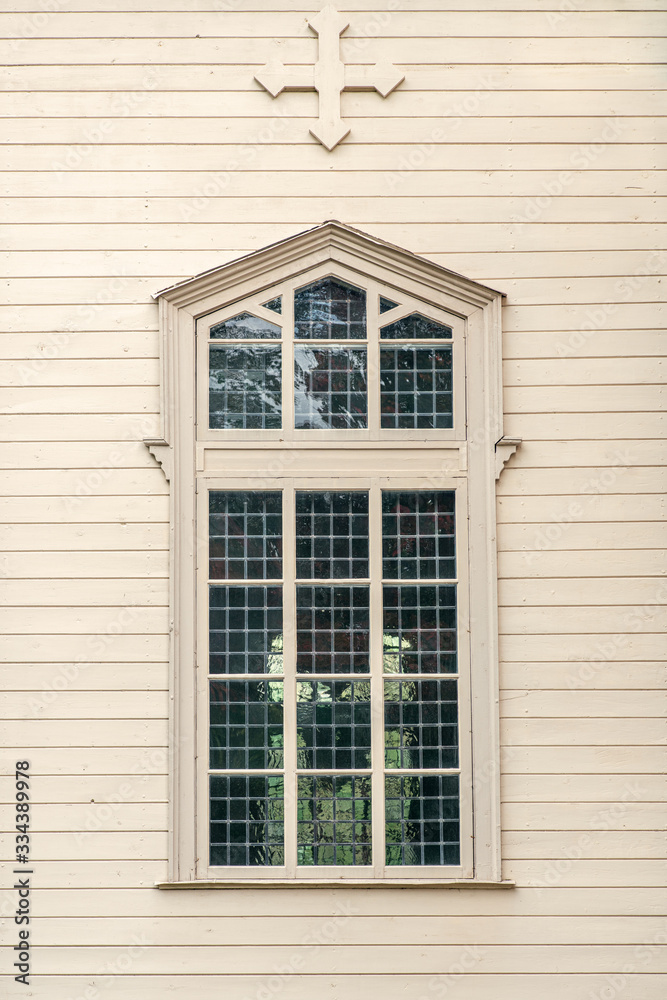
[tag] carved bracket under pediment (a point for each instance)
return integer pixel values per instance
(163, 455)
(505, 448)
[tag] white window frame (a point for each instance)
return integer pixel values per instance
(468, 459)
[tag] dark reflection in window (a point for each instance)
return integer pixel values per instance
(246, 720)
(330, 310)
(419, 629)
(330, 388)
(386, 304)
(246, 327)
(422, 819)
(331, 535)
(420, 724)
(333, 721)
(334, 820)
(416, 387)
(418, 538)
(245, 630)
(247, 819)
(332, 630)
(416, 327)
(245, 388)
(245, 535)
(275, 305)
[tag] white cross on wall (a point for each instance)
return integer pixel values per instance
(329, 77)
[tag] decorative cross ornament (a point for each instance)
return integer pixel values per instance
(329, 77)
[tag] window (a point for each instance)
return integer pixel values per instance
(331, 404)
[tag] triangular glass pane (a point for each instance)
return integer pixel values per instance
(416, 327)
(245, 326)
(386, 304)
(275, 305)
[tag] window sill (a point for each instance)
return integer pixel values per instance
(455, 883)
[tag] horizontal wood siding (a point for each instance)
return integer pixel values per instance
(524, 150)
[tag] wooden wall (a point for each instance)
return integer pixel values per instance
(522, 150)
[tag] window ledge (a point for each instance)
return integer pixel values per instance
(455, 883)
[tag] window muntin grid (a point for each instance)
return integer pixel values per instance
(331, 535)
(245, 385)
(333, 724)
(420, 724)
(245, 326)
(416, 327)
(422, 819)
(418, 535)
(332, 630)
(246, 724)
(329, 309)
(330, 388)
(245, 630)
(419, 629)
(245, 540)
(247, 819)
(334, 820)
(416, 387)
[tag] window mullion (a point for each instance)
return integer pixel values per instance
(289, 668)
(376, 663)
(373, 359)
(288, 363)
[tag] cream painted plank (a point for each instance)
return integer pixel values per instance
(77, 399)
(92, 846)
(606, 316)
(355, 929)
(70, 427)
(583, 759)
(594, 343)
(45, 347)
(584, 371)
(51, 679)
(57, 372)
(559, 593)
(615, 478)
(573, 676)
(651, 617)
(429, 237)
(74, 482)
(68, 565)
(596, 426)
(86, 592)
(259, 50)
(125, 454)
(584, 732)
(626, 814)
(363, 963)
(397, 162)
(93, 317)
(136, 761)
(580, 787)
(609, 844)
(74, 620)
(581, 646)
(596, 507)
(95, 875)
(244, 905)
(89, 508)
(84, 818)
(644, 286)
(239, 183)
(97, 537)
(98, 788)
(79, 704)
(517, 703)
(548, 8)
(35, 734)
(109, 646)
(587, 454)
(394, 24)
(567, 534)
(164, 210)
(610, 873)
(587, 564)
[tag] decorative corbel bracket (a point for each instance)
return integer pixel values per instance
(163, 455)
(505, 448)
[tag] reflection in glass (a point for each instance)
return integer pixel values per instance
(245, 535)
(419, 629)
(334, 820)
(420, 724)
(333, 724)
(416, 327)
(275, 305)
(245, 387)
(329, 310)
(245, 630)
(246, 327)
(422, 819)
(246, 719)
(332, 630)
(246, 819)
(331, 535)
(330, 387)
(418, 539)
(416, 387)
(386, 304)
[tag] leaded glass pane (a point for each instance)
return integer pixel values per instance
(275, 305)
(416, 327)
(330, 388)
(333, 724)
(247, 819)
(422, 819)
(245, 388)
(386, 304)
(416, 387)
(245, 630)
(332, 630)
(246, 720)
(245, 540)
(418, 539)
(419, 629)
(420, 724)
(331, 535)
(246, 327)
(334, 820)
(330, 310)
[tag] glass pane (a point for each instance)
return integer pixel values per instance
(419, 630)
(245, 327)
(422, 819)
(331, 536)
(420, 724)
(246, 724)
(244, 388)
(418, 539)
(333, 724)
(332, 630)
(330, 387)
(416, 327)
(386, 304)
(330, 310)
(247, 815)
(275, 305)
(416, 387)
(245, 630)
(245, 540)
(334, 820)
